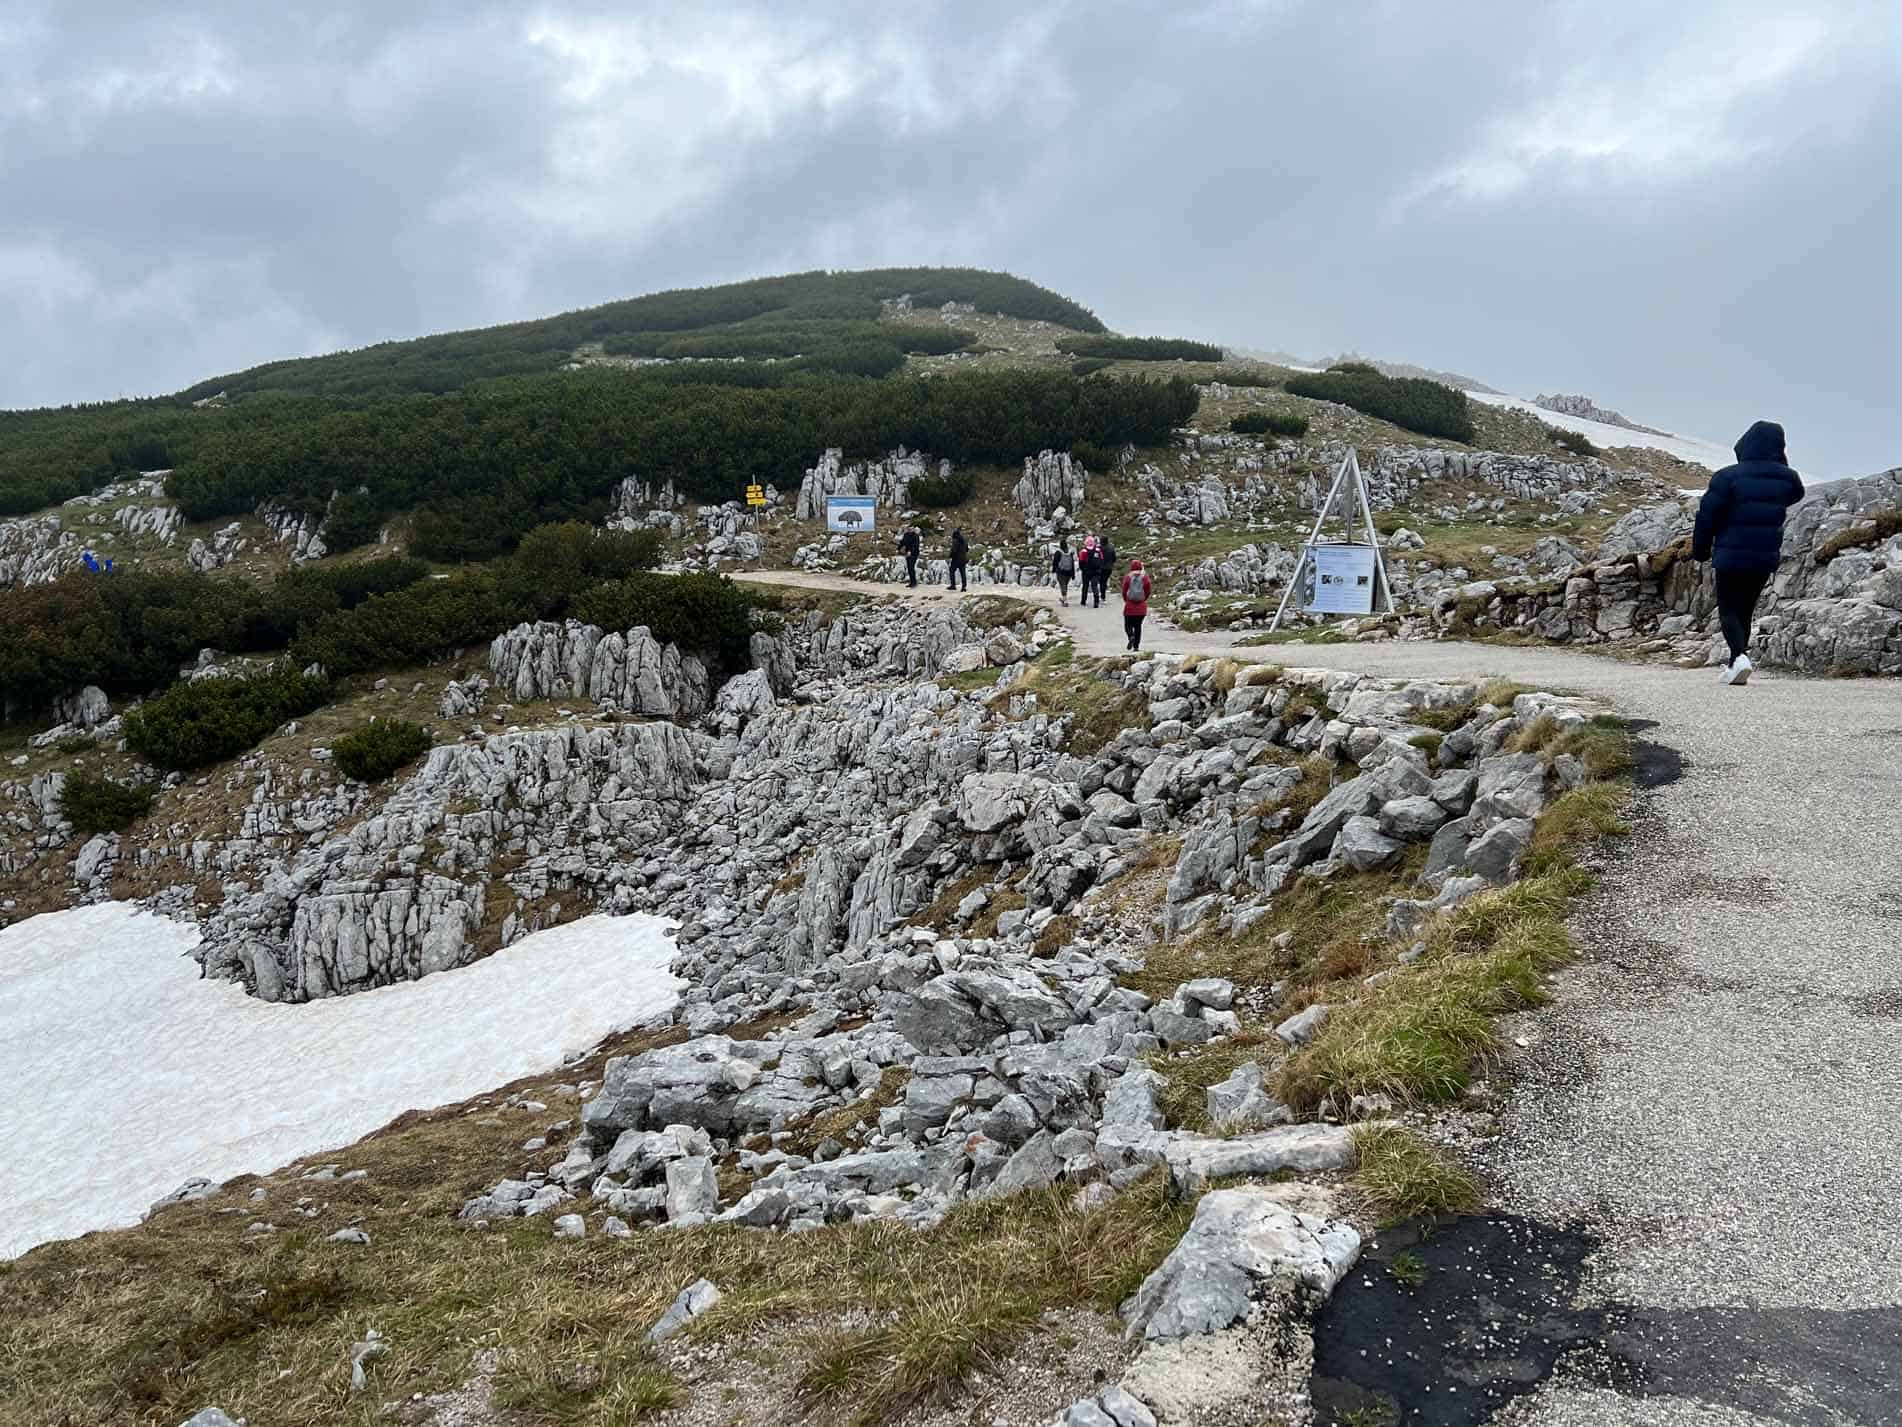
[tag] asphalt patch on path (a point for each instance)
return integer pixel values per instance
(1809, 1367)
(1444, 1324)
(1653, 764)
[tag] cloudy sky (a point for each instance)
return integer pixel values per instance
(1689, 210)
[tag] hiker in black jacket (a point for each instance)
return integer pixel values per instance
(960, 554)
(909, 543)
(1087, 567)
(1063, 566)
(1740, 531)
(1105, 565)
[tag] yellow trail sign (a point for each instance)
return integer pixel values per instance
(755, 495)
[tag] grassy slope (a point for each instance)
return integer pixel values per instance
(145, 1325)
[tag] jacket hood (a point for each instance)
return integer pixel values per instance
(1762, 442)
(1135, 564)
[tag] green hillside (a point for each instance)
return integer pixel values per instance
(815, 308)
(800, 329)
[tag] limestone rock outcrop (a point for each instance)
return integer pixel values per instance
(631, 672)
(887, 480)
(405, 892)
(1052, 481)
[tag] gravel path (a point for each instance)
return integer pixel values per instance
(1717, 1090)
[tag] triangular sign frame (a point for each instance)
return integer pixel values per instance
(1348, 477)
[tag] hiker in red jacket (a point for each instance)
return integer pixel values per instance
(1136, 591)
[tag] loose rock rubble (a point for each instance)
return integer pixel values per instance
(728, 531)
(408, 890)
(942, 1061)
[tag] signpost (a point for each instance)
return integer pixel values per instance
(851, 514)
(1344, 577)
(755, 495)
(1341, 576)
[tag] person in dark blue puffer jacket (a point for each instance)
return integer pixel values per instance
(1740, 531)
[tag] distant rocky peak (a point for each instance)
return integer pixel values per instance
(1587, 409)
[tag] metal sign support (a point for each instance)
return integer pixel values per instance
(1383, 588)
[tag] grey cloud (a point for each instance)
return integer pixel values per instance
(1684, 210)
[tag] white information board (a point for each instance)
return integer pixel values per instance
(1343, 579)
(854, 514)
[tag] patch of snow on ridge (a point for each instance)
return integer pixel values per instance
(127, 1075)
(1685, 448)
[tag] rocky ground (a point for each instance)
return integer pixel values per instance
(968, 921)
(1141, 972)
(134, 522)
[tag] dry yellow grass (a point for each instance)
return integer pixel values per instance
(1098, 707)
(1401, 1175)
(1187, 1077)
(145, 1325)
(1057, 932)
(1008, 900)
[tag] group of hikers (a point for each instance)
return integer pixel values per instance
(1093, 562)
(1739, 530)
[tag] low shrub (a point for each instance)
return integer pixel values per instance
(1279, 423)
(299, 599)
(550, 569)
(93, 803)
(1083, 366)
(1140, 349)
(955, 487)
(372, 751)
(1094, 457)
(1577, 442)
(703, 614)
(129, 632)
(1231, 376)
(353, 520)
(206, 720)
(1410, 402)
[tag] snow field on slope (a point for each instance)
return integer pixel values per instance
(127, 1074)
(1602, 434)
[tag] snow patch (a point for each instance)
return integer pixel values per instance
(127, 1074)
(1603, 434)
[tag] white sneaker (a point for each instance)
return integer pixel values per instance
(1738, 670)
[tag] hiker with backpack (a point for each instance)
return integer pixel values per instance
(1086, 567)
(1105, 566)
(1063, 566)
(1136, 591)
(909, 544)
(1740, 531)
(957, 578)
